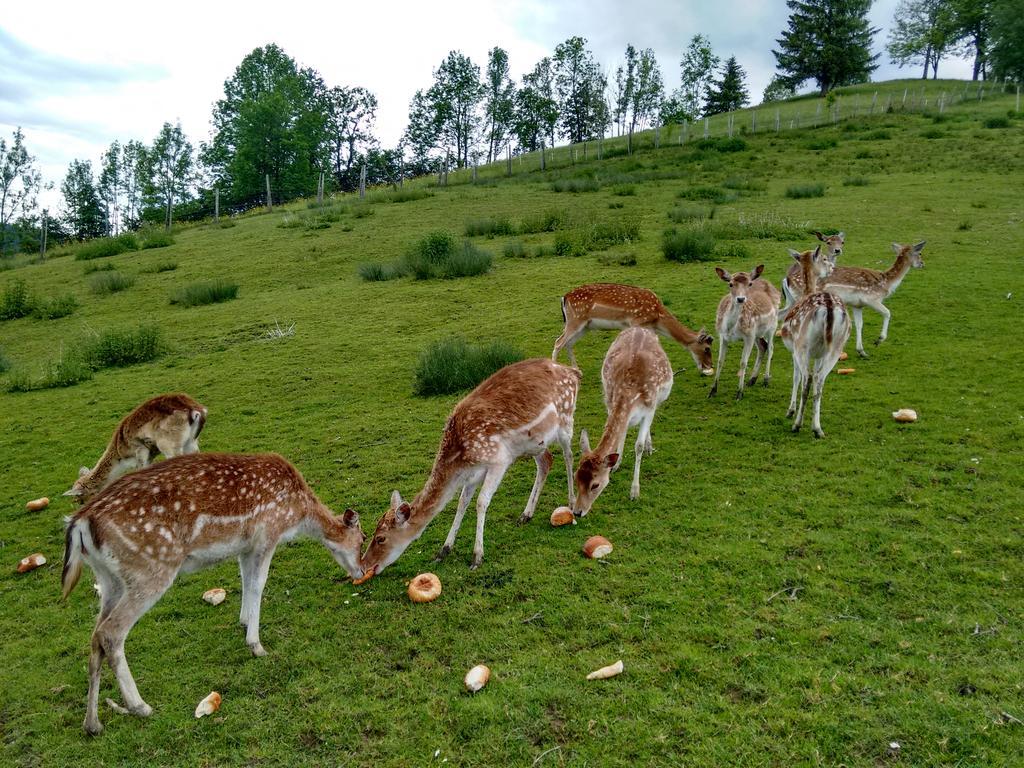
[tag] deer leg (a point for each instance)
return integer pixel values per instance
(796, 385)
(544, 462)
(858, 324)
(819, 385)
(643, 437)
(261, 569)
(788, 293)
(490, 484)
(246, 570)
(881, 309)
(92, 724)
(464, 498)
(567, 340)
(722, 345)
(565, 439)
(805, 387)
(761, 347)
(748, 344)
(770, 341)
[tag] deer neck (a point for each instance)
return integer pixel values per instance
(810, 276)
(671, 325)
(894, 275)
(614, 435)
(436, 492)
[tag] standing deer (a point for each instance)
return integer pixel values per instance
(816, 328)
(518, 411)
(637, 378)
(859, 287)
(793, 282)
(609, 305)
(748, 313)
(167, 424)
(181, 515)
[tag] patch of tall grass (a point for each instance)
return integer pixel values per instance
(454, 365)
(205, 292)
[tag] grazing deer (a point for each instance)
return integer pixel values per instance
(748, 313)
(637, 378)
(859, 287)
(816, 328)
(167, 424)
(518, 411)
(609, 305)
(181, 515)
(793, 282)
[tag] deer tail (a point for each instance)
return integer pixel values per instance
(72, 555)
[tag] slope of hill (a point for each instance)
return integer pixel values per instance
(776, 599)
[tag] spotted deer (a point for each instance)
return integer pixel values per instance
(518, 411)
(793, 282)
(182, 515)
(637, 378)
(815, 331)
(748, 313)
(168, 424)
(860, 287)
(609, 305)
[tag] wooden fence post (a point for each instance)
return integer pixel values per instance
(320, 190)
(657, 137)
(216, 204)
(42, 238)
(474, 173)
(270, 204)
(508, 150)
(362, 181)
(705, 127)
(543, 166)
(873, 100)
(778, 116)
(1018, 98)
(629, 141)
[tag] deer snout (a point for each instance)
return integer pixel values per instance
(740, 299)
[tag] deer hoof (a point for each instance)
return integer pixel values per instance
(819, 433)
(143, 710)
(790, 412)
(257, 649)
(634, 493)
(477, 562)
(752, 381)
(796, 427)
(766, 381)
(713, 391)
(739, 395)
(442, 553)
(525, 518)
(879, 340)
(93, 727)
(862, 353)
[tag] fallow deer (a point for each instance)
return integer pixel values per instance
(748, 313)
(859, 287)
(793, 282)
(181, 515)
(609, 305)
(637, 378)
(815, 329)
(518, 411)
(168, 424)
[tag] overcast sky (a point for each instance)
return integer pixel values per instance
(77, 76)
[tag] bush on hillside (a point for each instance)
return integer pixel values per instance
(804, 191)
(105, 283)
(107, 246)
(17, 301)
(117, 349)
(686, 245)
(454, 365)
(206, 292)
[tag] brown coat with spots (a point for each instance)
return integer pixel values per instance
(637, 378)
(793, 283)
(168, 424)
(748, 313)
(518, 411)
(184, 514)
(613, 306)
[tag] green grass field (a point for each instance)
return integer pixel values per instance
(776, 600)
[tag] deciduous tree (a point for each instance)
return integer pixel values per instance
(171, 170)
(499, 102)
(697, 69)
(922, 32)
(536, 109)
(83, 211)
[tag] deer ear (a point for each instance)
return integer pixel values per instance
(611, 460)
(795, 254)
(74, 492)
(402, 513)
(584, 441)
(757, 272)
(842, 236)
(819, 236)
(350, 518)
(920, 246)
(897, 247)
(817, 253)
(723, 274)
(83, 471)
(396, 499)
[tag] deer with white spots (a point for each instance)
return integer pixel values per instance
(815, 329)
(182, 515)
(860, 287)
(793, 282)
(518, 411)
(637, 378)
(167, 424)
(748, 313)
(609, 306)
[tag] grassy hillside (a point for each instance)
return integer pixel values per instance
(776, 600)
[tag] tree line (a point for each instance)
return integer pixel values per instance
(280, 121)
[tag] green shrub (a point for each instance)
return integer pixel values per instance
(439, 254)
(879, 135)
(362, 210)
(68, 369)
(489, 227)
(160, 266)
(997, 122)
(616, 204)
(617, 259)
(5, 364)
(62, 306)
(721, 144)
(856, 181)
(156, 238)
(821, 144)
(733, 250)
(226, 223)
(17, 301)
(933, 133)
(624, 190)
(116, 349)
(758, 226)
(575, 185)
(803, 191)
(104, 283)
(376, 272)
(964, 226)
(744, 184)
(714, 194)
(681, 213)
(467, 261)
(602, 234)
(454, 365)
(103, 266)
(546, 221)
(407, 194)
(515, 249)
(106, 246)
(687, 245)
(206, 292)
(569, 243)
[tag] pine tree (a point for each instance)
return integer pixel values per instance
(828, 41)
(729, 93)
